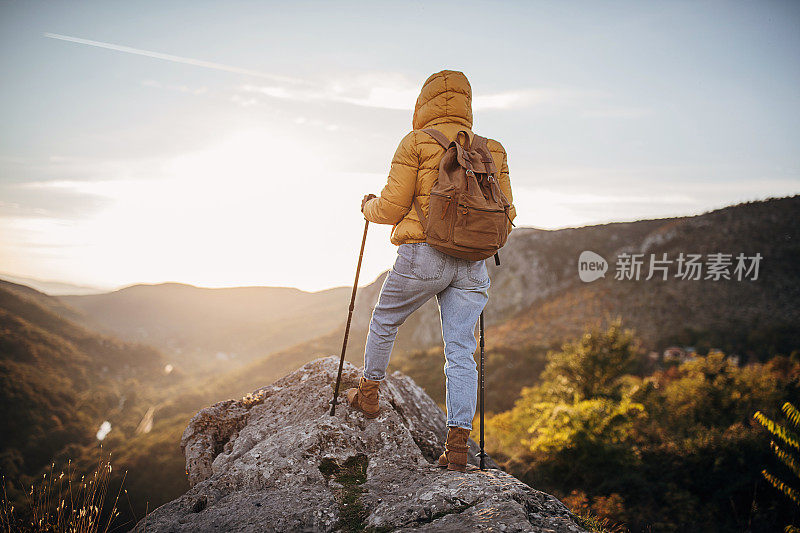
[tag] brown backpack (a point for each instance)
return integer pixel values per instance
(467, 212)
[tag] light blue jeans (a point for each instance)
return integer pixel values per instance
(461, 288)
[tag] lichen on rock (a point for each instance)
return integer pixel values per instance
(278, 461)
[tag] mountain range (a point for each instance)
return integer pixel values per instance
(68, 363)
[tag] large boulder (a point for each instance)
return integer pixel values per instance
(277, 460)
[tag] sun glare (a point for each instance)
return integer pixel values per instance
(256, 208)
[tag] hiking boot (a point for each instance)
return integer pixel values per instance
(455, 449)
(365, 397)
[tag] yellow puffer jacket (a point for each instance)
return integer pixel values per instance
(445, 103)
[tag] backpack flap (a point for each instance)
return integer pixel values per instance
(466, 209)
(481, 146)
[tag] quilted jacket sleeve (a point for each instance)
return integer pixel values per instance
(397, 195)
(504, 180)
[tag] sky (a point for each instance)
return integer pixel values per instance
(230, 143)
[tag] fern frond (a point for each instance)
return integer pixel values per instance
(791, 529)
(791, 493)
(786, 458)
(792, 414)
(787, 436)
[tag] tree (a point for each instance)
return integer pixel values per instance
(591, 366)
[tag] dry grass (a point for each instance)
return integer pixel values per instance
(60, 502)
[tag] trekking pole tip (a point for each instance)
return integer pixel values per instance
(481, 455)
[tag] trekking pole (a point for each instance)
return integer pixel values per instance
(349, 318)
(482, 454)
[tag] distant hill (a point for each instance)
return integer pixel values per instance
(203, 329)
(50, 303)
(60, 381)
(752, 318)
(52, 288)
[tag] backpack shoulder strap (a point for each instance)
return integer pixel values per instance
(439, 137)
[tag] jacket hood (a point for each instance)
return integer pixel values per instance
(446, 97)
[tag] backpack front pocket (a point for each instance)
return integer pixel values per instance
(479, 228)
(440, 218)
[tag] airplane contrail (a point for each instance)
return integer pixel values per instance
(176, 59)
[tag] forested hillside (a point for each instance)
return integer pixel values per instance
(59, 381)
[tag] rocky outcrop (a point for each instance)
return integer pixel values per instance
(277, 460)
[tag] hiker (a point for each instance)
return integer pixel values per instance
(421, 271)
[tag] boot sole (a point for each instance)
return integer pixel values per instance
(456, 468)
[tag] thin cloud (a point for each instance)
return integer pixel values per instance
(63, 200)
(395, 92)
(376, 90)
(382, 90)
(176, 59)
